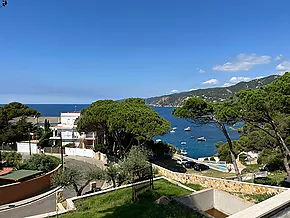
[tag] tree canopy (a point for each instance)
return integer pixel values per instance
(198, 110)
(122, 123)
(11, 133)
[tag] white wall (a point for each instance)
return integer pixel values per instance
(228, 203)
(202, 200)
(80, 152)
(23, 147)
(68, 118)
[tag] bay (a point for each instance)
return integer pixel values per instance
(194, 148)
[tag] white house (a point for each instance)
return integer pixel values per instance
(66, 131)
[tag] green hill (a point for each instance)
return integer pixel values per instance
(210, 94)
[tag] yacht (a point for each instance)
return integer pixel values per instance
(187, 129)
(183, 143)
(158, 140)
(172, 131)
(183, 152)
(174, 128)
(202, 139)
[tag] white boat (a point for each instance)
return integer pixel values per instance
(183, 143)
(172, 131)
(201, 139)
(174, 128)
(187, 129)
(183, 152)
(158, 140)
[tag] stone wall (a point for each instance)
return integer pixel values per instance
(220, 184)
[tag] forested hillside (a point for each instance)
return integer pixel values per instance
(210, 94)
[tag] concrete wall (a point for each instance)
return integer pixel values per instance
(220, 184)
(80, 152)
(202, 200)
(210, 198)
(23, 147)
(228, 203)
(21, 190)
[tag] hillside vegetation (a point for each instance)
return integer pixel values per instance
(211, 94)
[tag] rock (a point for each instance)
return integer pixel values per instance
(163, 200)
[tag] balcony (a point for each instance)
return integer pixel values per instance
(89, 136)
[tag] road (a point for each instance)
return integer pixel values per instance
(47, 204)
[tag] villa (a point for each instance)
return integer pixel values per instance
(66, 131)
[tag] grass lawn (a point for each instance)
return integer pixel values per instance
(255, 198)
(119, 204)
(173, 166)
(196, 187)
(278, 176)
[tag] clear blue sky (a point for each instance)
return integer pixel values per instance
(73, 51)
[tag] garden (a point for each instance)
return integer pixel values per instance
(119, 204)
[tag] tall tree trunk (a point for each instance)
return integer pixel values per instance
(233, 155)
(285, 161)
(279, 137)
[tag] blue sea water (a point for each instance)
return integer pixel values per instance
(194, 148)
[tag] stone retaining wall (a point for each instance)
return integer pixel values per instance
(220, 184)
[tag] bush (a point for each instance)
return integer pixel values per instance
(211, 159)
(159, 149)
(265, 181)
(41, 162)
(13, 158)
(101, 148)
(70, 145)
(272, 159)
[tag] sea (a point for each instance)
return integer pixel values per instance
(194, 148)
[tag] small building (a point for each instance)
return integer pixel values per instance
(18, 176)
(27, 147)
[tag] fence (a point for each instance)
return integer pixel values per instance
(8, 148)
(52, 150)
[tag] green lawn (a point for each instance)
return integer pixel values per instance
(119, 204)
(254, 198)
(196, 187)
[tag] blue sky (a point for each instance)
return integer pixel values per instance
(73, 51)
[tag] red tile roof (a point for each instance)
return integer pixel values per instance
(5, 170)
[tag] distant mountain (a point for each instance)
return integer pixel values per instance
(210, 94)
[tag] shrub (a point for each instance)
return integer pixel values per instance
(70, 145)
(13, 158)
(159, 149)
(272, 159)
(211, 159)
(101, 148)
(265, 181)
(41, 162)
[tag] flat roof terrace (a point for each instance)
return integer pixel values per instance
(20, 175)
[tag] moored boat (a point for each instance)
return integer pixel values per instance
(187, 129)
(201, 139)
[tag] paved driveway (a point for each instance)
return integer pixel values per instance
(47, 204)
